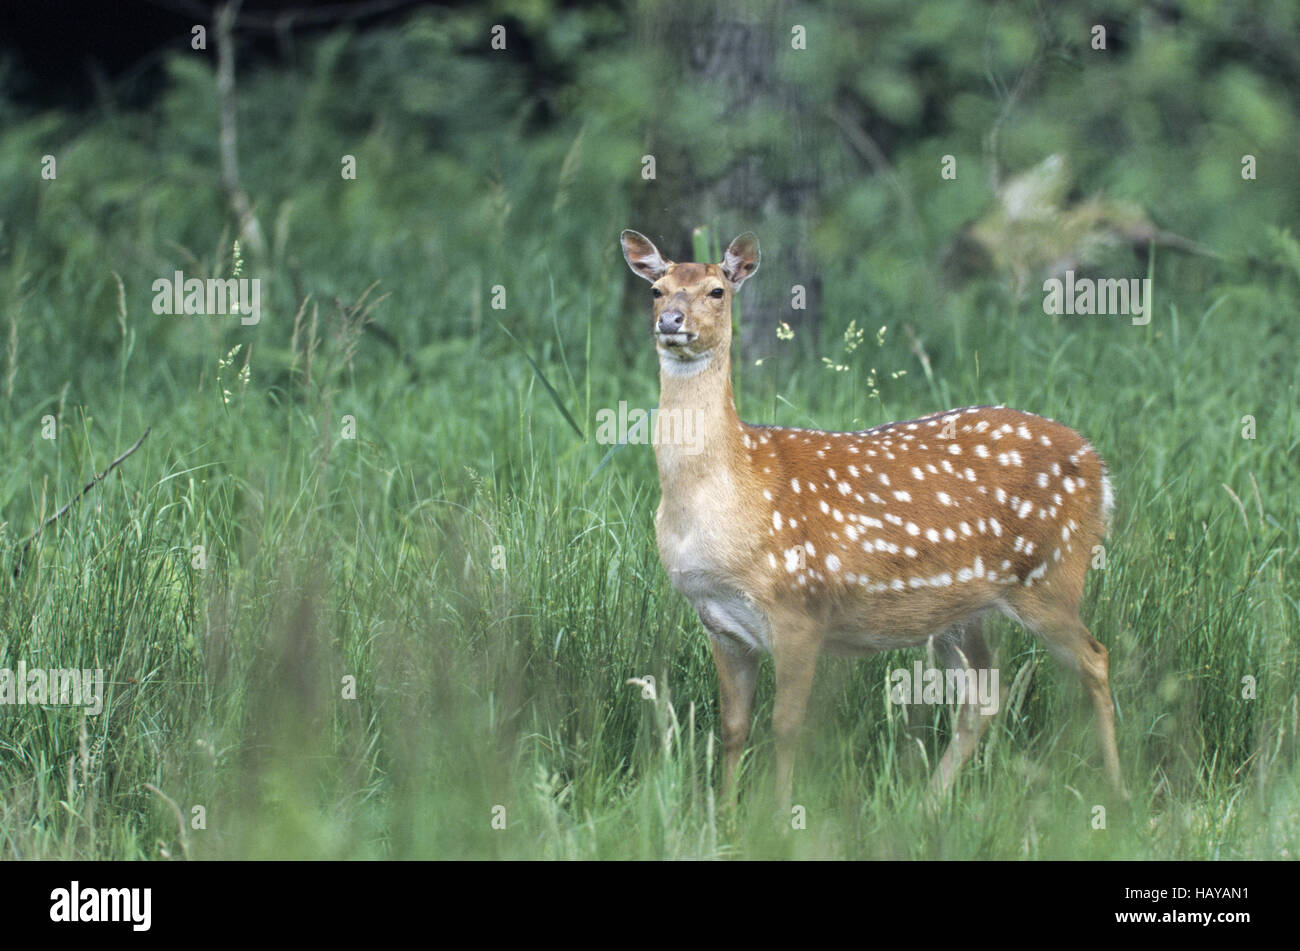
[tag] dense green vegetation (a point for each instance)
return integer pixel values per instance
(487, 572)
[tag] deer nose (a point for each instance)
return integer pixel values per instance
(670, 321)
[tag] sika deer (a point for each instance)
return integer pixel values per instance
(798, 541)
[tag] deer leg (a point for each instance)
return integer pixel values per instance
(962, 648)
(794, 653)
(1069, 640)
(737, 674)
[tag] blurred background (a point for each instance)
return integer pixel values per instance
(431, 197)
(826, 136)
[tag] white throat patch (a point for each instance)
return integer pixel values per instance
(675, 366)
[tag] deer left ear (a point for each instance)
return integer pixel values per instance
(741, 259)
(642, 256)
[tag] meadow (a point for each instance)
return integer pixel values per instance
(371, 588)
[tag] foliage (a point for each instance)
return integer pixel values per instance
(489, 577)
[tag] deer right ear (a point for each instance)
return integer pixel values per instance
(741, 259)
(642, 256)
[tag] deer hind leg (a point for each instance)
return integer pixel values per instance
(962, 648)
(1058, 624)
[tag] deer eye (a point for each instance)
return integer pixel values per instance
(656, 292)
(716, 292)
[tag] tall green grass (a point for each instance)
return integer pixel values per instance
(492, 592)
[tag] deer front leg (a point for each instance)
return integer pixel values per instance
(737, 675)
(794, 650)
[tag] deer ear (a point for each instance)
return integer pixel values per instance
(642, 256)
(741, 259)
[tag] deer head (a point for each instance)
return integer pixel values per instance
(692, 302)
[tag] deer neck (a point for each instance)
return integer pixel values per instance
(706, 448)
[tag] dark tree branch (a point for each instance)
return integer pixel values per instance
(99, 477)
(249, 230)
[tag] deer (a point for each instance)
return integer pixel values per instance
(798, 542)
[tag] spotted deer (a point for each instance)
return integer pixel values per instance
(798, 541)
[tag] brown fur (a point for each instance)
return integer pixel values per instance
(803, 541)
